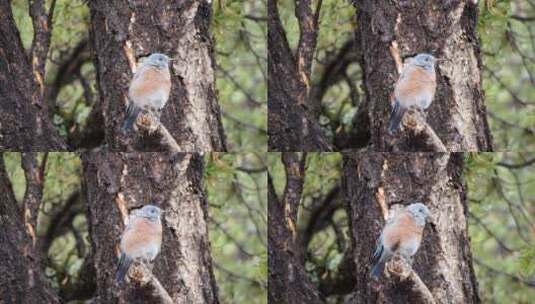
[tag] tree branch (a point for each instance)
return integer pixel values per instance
(154, 292)
(25, 125)
(84, 287)
(419, 130)
(404, 276)
(291, 127)
(295, 174)
(523, 18)
(359, 135)
(60, 222)
(323, 210)
(308, 34)
(344, 281)
(287, 278)
(22, 276)
(150, 125)
(92, 135)
(68, 68)
(308, 28)
(517, 166)
(34, 174)
(42, 28)
(513, 277)
(335, 67)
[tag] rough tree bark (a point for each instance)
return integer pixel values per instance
(287, 279)
(121, 32)
(23, 278)
(373, 183)
(24, 122)
(446, 29)
(292, 126)
(117, 182)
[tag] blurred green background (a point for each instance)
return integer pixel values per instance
(236, 190)
(501, 221)
(239, 31)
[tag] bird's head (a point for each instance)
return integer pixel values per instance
(419, 212)
(150, 211)
(158, 60)
(424, 60)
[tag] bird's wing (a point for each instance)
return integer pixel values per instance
(150, 81)
(142, 232)
(415, 84)
(378, 250)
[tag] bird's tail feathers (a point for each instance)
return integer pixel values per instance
(396, 116)
(378, 260)
(378, 268)
(122, 269)
(378, 252)
(131, 114)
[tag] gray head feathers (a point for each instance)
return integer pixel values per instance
(150, 211)
(419, 212)
(159, 60)
(424, 60)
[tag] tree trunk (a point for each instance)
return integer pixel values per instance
(117, 182)
(288, 281)
(24, 121)
(22, 277)
(375, 182)
(291, 125)
(446, 29)
(122, 31)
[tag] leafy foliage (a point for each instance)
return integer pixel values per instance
(236, 185)
(239, 30)
(502, 204)
(508, 72)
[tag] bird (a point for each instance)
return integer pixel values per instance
(416, 86)
(402, 233)
(141, 239)
(149, 88)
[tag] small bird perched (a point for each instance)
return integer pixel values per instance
(141, 239)
(403, 234)
(415, 87)
(149, 88)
